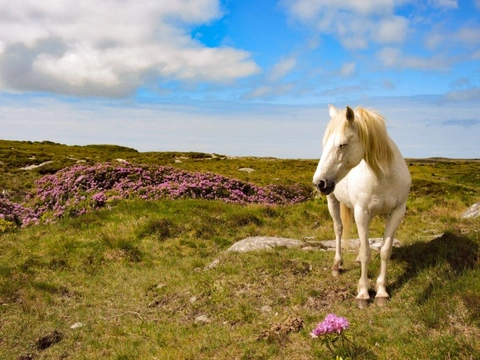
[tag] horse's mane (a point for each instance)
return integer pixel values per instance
(372, 132)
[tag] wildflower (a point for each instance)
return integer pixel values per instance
(331, 324)
(331, 331)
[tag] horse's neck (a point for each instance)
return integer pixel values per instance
(393, 164)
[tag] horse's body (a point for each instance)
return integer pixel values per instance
(362, 171)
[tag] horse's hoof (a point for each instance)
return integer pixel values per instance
(381, 301)
(337, 269)
(362, 303)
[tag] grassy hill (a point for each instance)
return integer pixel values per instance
(134, 280)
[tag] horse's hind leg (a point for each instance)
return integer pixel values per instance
(393, 221)
(334, 209)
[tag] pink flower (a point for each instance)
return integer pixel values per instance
(331, 324)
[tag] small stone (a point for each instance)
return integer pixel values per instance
(266, 309)
(472, 212)
(202, 319)
(76, 325)
(247, 170)
(212, 265)
(154, 303)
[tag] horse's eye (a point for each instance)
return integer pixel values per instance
(343, 146)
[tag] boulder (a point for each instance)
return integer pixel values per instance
(264, 243)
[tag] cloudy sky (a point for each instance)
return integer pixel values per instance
(239, 77)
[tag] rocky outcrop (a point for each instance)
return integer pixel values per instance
(266, 243)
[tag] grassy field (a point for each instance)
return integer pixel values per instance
(135, 281)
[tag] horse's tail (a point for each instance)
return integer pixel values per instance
(346, 214)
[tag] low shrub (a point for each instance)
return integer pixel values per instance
(82, 188)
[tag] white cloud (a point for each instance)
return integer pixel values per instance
(282, 68)
(393, 57)
(462, 95)
(347, 69)
(434, 39)
(252, 129)
(110, 47)
(309, 9)
(258, 130)
(390, 30)
(354, 23)
(268, 91)
(389, 56)
(448, 4)
(468, 34)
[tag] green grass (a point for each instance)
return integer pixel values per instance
(137, 276)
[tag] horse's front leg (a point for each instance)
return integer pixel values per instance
(362, 218)
(334, 209)
(393, 221)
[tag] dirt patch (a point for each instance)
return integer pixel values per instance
(279, 331)
(297, 268)
(327, 298)
(48, 340)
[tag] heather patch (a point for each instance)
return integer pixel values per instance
(12, 214)
(79, 189)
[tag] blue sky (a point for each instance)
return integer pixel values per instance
(240, 77)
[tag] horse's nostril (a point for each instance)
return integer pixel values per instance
(325, 186)
(322, 185)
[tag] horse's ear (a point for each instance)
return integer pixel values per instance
(350, 114)
(332, 110)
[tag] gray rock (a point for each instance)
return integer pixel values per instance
(202, 319)
(472, 212)
(267, 243)
(264, 243)
(213, 264)
(256, 243)
(266, 309)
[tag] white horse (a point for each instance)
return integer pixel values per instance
(362, 172)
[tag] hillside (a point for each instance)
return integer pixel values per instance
(152, 279)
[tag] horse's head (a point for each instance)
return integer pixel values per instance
(342, 150)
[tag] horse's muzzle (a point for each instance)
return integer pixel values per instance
(325, 186)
